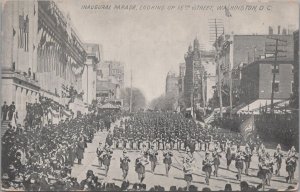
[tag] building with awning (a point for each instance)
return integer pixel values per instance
(259, 105)
(109, 106)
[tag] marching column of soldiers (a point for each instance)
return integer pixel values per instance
(153, 131)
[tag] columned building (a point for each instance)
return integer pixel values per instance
(89, 76)
(19, 54)
(60, 53)
(41, 54)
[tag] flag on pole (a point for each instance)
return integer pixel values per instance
(247, 127)
(21, 31)
(227, 12)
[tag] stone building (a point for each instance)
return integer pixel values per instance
(42, 55)
(89, 75)
(172, 84)
(194, 80)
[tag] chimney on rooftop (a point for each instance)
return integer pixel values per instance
(270, 30)
(278, 29)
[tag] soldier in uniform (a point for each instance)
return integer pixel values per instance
(239, 163)
(229, 154)
(207, 164)
(106, 159)
(207, 140)
(269, 165)
(124, 164)
(261, 153)
(153, 158)
(140, 164)
(263, 170)
(247, 156)
(188, 171)
(278, 159)
(167, 159)
(291, 164)
(144, 151)
(216, 158)
(100, 153)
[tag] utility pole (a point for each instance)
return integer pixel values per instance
(130, 105)
(275, 70)
(216, 29)
(204, 91)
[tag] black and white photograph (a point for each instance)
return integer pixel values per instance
(149, 95)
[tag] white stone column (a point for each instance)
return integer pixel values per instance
(18, 97)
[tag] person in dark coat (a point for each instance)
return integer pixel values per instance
(106, 159)
(229, 155)
(4, 111)
(140, 164)
(80, 150)
(216, 158)
(187, 171)
(247, 155)
(291, 164)
(207, 164)
(124, 164)
(100, 153)
(153, 158)
(11, 110)
(239, 164)
(278, 159)
(167, 159)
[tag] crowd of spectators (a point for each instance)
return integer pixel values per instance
(44, 155)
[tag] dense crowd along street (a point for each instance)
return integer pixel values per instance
(181, 95)
(126, 147)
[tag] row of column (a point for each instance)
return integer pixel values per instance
(24, 96)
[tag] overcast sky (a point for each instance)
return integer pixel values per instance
(154, 42)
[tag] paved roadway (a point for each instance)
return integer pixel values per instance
(90, 161)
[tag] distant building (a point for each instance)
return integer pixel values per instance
(239, 50)
(110, 81)
(89, 75)
(194, 80)
(172, 84)
(209, 63)
(112, 71)
(181, 77)
(257, 78)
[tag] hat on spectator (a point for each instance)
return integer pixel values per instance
(5, 176)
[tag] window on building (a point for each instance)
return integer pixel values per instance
(276, 87)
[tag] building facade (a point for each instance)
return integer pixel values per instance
(110, 81)
(172, 84)
(195, 78)
(235, 51)
(40, 49)
(112, 71)
(257, 78)
(89, 75)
